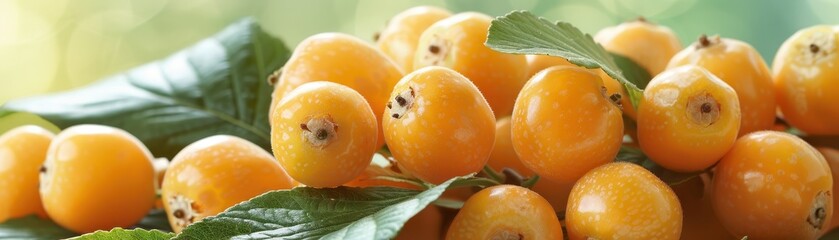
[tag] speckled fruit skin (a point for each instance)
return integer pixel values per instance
(505, 212)
(400, 37)
(740, 66)
(447, 130)
(667, 131)
(351, 140)
(563, 125)
(805, 80)
(215, 173)
(768, 185)
(457, 42)
(343, 59)
(22, 151)
(649, 45)
(832, 157)
(96, 178)
(622, 201)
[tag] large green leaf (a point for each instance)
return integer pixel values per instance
(32, 227)
(311, 213)
(521, 32)
(126, 234)
(217, 86)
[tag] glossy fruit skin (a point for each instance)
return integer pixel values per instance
(505, 211)
(215, 173)
(427, 224)
(457, 42)
(400, 37)
(343, 59)
(349, 127)
(504, 156)
(622, 201)
(699, 221)
(563, 125)
(22, 151)
(96, 178)
(648, 44)
(537, 63)
(831, 155)
(740, 66)
(766, 171)
(672, 128)
(805, 81)
(446, 130)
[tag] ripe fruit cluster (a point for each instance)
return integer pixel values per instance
(445, 105)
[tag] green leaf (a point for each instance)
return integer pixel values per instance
(672, 178)
(125, 234)
(32, 227)
(217, 86)
(311, 213)
(521, 32)
(155, 220)
(632, 71)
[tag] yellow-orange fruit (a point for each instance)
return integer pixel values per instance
(687, 119)
(96, 178)
(457, 42)
(563, 125)
(622, 201)
(323, 134)
(740, 66)
(400, 37)
(505, 212)
(438, 126)
(765, 171)
(343, 59)
(648, 44)
(22, 151)
(805, 71)
(215, 173)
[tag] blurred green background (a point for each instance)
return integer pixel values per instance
(55, 45)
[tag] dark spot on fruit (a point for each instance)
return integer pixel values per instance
(304, 127)
(814, 48)
(401, 101)
(178, 213)
(706, 107)
(704, 41)
(322, 134)
(434, 49)
(395, 115)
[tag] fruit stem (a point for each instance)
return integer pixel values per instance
(491, 173)
(530, 182)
